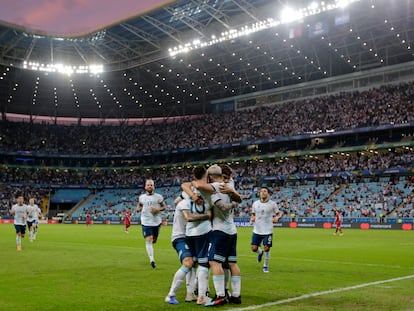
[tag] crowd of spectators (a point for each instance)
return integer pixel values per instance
(248, 170)
(390, 104)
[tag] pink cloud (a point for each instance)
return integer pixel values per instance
(71, 17)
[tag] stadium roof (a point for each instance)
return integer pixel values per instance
(223, 49)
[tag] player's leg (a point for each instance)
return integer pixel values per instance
(255, 246)
(148, 236)
(267, 244)
(180, 275)
(217, 256)
(235, 271)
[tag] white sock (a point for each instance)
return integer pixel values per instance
(236, 285)
(178, 279)
(266, 259)
(191, 281)
(202, 275)
(218, 281)
(150, 250)
(18, 240)
(227, 276)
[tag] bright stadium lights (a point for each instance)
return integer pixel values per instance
(287, 16)
(64, 69)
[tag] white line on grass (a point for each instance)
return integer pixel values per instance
(341, 262)
(331, 291)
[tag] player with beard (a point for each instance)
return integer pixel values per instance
(150, 204)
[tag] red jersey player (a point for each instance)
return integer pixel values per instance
(338, 222)
(127, 220)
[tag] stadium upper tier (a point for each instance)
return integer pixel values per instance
(390, 105)
(178, 59)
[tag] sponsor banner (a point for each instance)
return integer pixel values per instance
(6, 221)
(43, 221)
(245, 222)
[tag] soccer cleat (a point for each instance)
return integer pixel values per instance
(265, 269)
(153, 265)
(227, 293)
(217, 301)
(259, 257)
(19, 248)
(203, 300)
(341, 234)
(190, 297)
(235, 300)
(171, 300)
(334, 233)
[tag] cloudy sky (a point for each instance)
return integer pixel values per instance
(72, 17)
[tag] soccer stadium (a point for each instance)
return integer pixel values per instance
(311, 100)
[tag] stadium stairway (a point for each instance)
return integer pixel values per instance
(79, 205)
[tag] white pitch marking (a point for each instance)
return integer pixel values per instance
(342, 262)
(331, 291)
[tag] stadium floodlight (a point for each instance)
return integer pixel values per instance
(287, 16)
(63, 69)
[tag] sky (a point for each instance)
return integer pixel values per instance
(72, 17)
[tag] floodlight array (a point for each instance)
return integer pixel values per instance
(287, 15)
(64, 69)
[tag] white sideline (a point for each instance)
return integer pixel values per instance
(337, 290)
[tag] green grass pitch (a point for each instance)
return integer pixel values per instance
(72, 267)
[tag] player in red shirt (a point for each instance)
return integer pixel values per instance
(338, 222)
(88, 219)
(127, 220)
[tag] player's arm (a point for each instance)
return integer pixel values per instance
(277, 217)
(252, 218)
(189, 217)
(203, 186)
(225, 206)
(196, 198)
(139, 207)
(162, 207)
(178, 199)
(234, 195)
(187, 189)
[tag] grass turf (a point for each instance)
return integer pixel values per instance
(72, 267)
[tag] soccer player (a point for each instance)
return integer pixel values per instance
(88, 219)
(264, 214)
(229, 188)
(183, 216)
(338, 223)
(223, 239)
(127, 220)
(19, 211)
(150, 205)
(198, 232)
(33, 219)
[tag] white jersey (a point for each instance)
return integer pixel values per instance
(20, 214)
(34, 212)
(222, 220)
(179, 222)
(264, 212)
(201, 227)
(147, 201)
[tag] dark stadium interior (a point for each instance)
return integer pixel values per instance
(144, 81)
